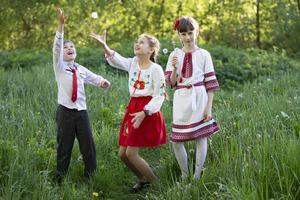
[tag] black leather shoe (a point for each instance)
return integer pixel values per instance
(139, 187)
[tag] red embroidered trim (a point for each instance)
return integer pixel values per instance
(209, 74)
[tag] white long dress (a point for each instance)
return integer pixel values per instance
(195, 77)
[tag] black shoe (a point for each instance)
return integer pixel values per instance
(139, 187)
(58, 179)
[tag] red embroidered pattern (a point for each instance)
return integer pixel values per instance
(187, 68)
(212, 85)
(200, 133)
(139, 84)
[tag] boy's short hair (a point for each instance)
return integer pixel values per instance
(69, 41)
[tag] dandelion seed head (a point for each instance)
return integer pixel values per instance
(94, 15)
(165, 50)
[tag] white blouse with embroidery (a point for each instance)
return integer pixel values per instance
(142, 82)
(64, 77)
(203, 69)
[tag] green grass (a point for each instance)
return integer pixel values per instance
(255, 156)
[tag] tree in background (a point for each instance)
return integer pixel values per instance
(238, 23)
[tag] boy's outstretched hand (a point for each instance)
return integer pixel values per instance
(104, 84)
(100, 38)
(60, 15)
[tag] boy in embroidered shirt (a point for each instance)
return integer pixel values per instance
(190, 70)
(71, 117)
(143, 124)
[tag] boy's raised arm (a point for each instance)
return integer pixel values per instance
(58, 40)
(61, 20)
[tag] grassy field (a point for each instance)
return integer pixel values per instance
(256, 155)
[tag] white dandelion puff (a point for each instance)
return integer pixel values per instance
(94, 15)
(165, 50)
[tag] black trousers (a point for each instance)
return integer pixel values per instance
(72, 123)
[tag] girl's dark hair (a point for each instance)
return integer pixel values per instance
(187, 23)
(154, 43)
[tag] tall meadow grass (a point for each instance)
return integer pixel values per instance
(256, 155)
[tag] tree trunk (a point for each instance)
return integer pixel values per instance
(298, 4)
(258, 23)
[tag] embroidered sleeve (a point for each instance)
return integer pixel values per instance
(159, 93)
(118, 61)
(58, 50)
(210, 80)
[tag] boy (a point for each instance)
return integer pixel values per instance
(71, 117)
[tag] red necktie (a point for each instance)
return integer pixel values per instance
(74, 86)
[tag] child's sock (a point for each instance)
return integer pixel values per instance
(201, 151)
(181, 156)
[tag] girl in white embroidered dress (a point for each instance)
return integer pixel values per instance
(190, 70)
(143, 124)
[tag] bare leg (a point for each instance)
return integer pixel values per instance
(131, 167)
(140, 164)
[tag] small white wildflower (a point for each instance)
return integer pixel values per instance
(277, 116)
(165, 50)
(259, 135)
(240, 95)
(295, 98)
(268, 79)
(94, 15)
(283, 114)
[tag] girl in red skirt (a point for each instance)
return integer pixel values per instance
(143, 124)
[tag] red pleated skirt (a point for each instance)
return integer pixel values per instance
(152, 131)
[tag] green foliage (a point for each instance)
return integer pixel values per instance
(32, 24)
(233, 66)
(23, 58)
(236, 66)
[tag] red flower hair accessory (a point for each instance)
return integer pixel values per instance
(176, 24)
